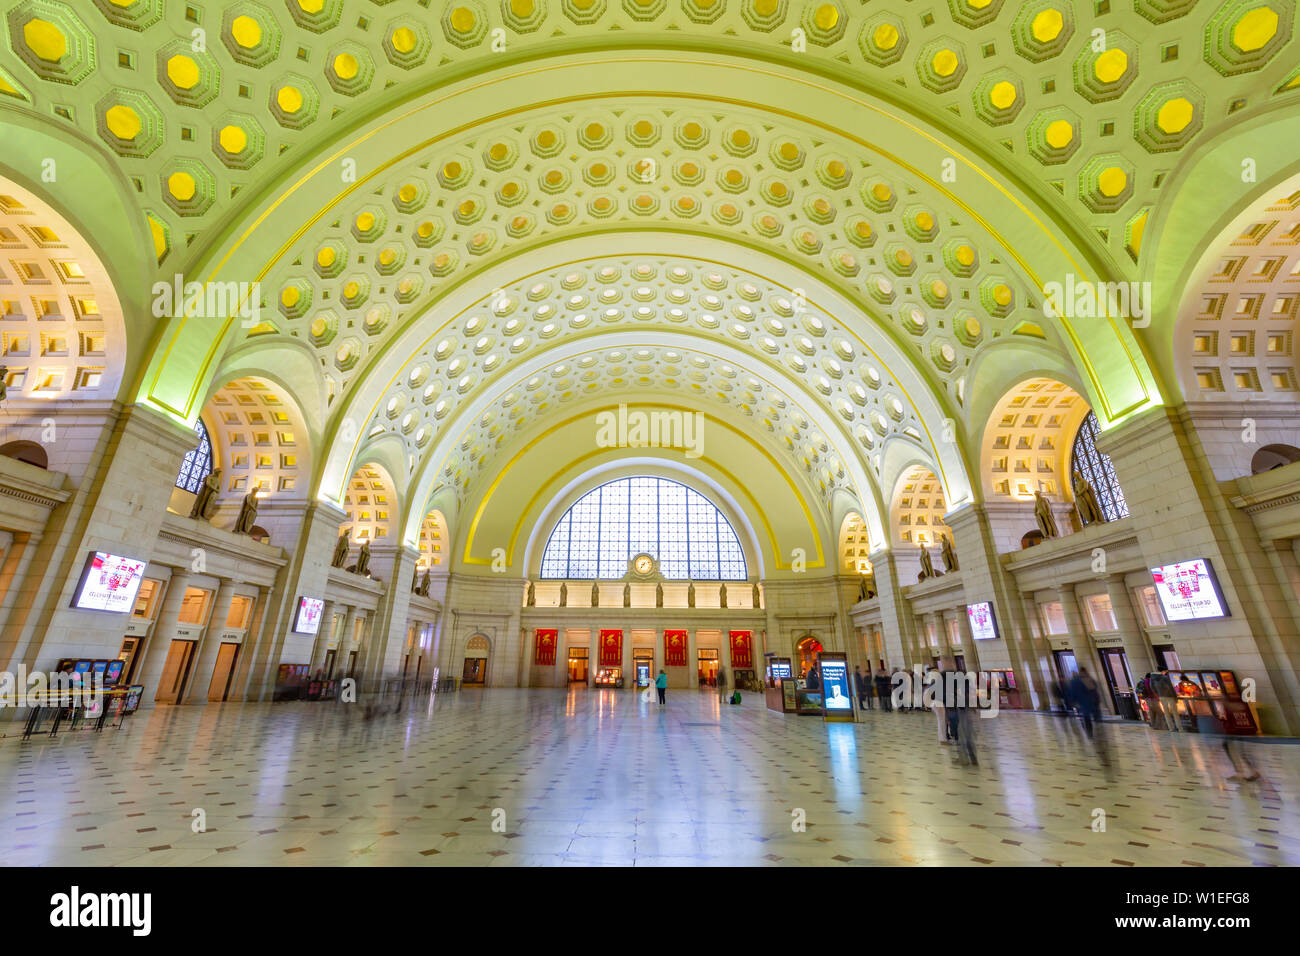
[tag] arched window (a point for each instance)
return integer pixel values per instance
(197, 463)
(677, 525)
(1097, 470)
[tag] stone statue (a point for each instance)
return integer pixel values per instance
(949, 556)
(415, 579)
(659, 595)
(1043, 514)
(757, 598)
(595, 594)
(866, 588)
(423, 589)
(205, 502)
(690, 595)
(627, 595)
(722, 596)
(4, 381)
(532, 594)
(363, 559)
(341, 550)
(247, 514)
(564, 594)
(927, 566)
(1085, 501)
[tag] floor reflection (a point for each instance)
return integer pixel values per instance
(587, 776)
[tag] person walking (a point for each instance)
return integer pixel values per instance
(862, 684)
(1085, 696)
(722, 684)
(661, 686)
(882, 690)
(1164, 691)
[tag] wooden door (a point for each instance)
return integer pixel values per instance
(219, 688)
(175, 670)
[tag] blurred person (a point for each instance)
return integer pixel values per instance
(661, 686)
(882, 689)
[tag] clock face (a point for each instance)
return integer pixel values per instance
(644, 564)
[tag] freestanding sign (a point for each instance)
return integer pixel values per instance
(837, 691)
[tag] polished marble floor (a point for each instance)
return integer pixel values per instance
(542, 777)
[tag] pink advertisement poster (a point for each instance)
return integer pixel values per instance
(111, 583)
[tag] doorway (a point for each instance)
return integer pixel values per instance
(130, 650)
(808, 649)
(1114, 662)
(578, 665)
(643, 666)
(352, 664)
(707, 667)
(474, 673)
(175, 670)
(223, 671)
(1066, 665)
(330, 655)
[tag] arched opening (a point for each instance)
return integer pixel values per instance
(197, 463)
(477, 651)
(1026, 438)
(855, 545)
(27, 451)
(259, 438)
(685, 532)
(808, 648)
(371, 504)
(918, 509)
(1268, 458)
(434, 546)
(1094, 467)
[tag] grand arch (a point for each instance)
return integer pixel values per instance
(1003, 226)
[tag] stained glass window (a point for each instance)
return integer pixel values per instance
(685, 531)
(1097, 470)
(196, 464)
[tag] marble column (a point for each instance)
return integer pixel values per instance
(897, 623)
(205, 654)
(1141, 659)
(150, 669)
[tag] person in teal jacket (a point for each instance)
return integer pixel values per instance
(661, 685)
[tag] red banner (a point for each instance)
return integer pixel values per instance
(675, 643)
(611, 648)
(742, 649)
(544, 643)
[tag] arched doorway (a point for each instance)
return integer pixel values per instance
(808, 648)
(474, 673)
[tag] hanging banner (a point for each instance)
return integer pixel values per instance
(742, 649)
(675, 648)
(611, 648)
(544, 643)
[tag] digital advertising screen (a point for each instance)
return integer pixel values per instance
(1189, 591)
(837, 694)
(309, 612)
(109, 583)
(983, 625)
